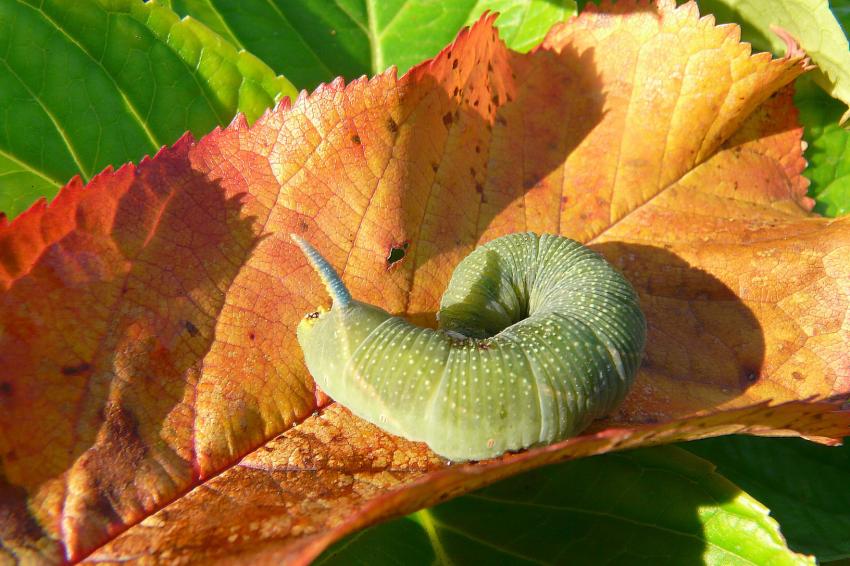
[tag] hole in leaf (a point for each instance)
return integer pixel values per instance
(397, 254)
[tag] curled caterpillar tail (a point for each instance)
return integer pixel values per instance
(336, 288)
(538, 336)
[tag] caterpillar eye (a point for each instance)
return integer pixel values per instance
(538, 336)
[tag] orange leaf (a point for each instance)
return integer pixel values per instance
(147, 320)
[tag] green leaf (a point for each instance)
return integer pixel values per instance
(654, 506)
(828, 151)
(523, 25)
(810, 22)
(315, 41)
(92, 83)
(804, 484)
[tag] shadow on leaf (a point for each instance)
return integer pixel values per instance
(103, 343)
(702, 343)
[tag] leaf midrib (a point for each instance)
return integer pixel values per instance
(373, 35)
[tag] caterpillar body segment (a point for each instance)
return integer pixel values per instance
(538, 336)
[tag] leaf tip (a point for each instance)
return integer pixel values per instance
(488, 18)
(185, 141)
(792, 47)
(109, 170)
(689, 8)
(283, 104)
(239, 121)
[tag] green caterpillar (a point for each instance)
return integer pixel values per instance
(538, 336)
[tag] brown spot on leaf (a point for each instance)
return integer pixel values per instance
(392, 126)
(120, 422)
(356, 139)
(111, 467)
(448, 119)
(5, 389)
(76, 370)
(191, 328)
